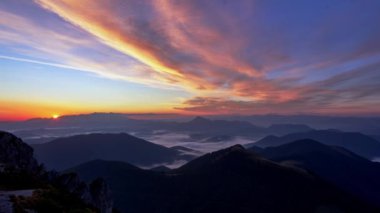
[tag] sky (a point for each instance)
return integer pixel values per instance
(189, 57)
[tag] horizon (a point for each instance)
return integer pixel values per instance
(168, 116)
(189, 58)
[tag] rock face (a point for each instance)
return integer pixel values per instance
(97, 193)
(15, 154)
(101, 195)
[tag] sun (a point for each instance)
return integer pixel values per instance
(55, 116)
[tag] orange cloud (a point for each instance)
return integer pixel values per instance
(200, 59)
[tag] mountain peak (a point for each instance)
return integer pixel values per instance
(200, 119)
(224, 158)
(234, 148)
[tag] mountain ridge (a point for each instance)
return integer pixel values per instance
(121, 146)
(229, 180)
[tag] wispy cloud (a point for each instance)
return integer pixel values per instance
(69, 48)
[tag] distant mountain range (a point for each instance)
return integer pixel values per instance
(36, 131)
(116, 122)
(67, 152)
(336, 165)
(229, 180)
(367, 125)
(228, 128)
(358, 143)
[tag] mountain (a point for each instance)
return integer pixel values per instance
(336, 165)
(367, 125)
(283, 129)
(67, 152)
(358, 143)
(25, 186)
(213, 127)
(16, 154)
(42, 130)
(229, 180)
(84, 120)
(376, 137)
(160, 169)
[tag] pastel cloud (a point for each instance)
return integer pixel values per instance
(352, 92)
(66, 46)
(264, 56)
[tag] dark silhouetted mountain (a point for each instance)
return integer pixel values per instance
(283, 129)
(67, 152)
(366, 125)
(83, 120)
(50, 191)
(334, 164)
(207, 128)
(358, 143)
(214, 127)
(160, 169)
(41, 130)
(376, 137)
(200, 121)
(229, 180)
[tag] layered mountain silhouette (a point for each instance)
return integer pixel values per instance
(366, 125)
(213, 127)
(102, 120)
(229, 180)
(67, 152)
(283, 129)
(228, 128)
(358, 143)
(42, 130)
(336, 165)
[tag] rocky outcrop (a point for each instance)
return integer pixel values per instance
(96, 194)
(101, 195)
(15, 154)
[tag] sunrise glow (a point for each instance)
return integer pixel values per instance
(190, 57)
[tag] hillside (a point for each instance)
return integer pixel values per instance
(336, 165)
(358, 143)
(229, 180)
(67, 152)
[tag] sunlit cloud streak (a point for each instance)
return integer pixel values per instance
(74, 50)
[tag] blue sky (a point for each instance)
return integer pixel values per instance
(199, 57)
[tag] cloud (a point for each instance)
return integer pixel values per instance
(354, 91)
(68, 47)
(240, 56)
